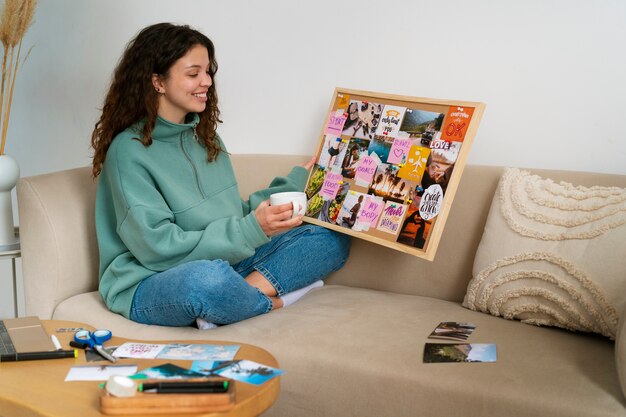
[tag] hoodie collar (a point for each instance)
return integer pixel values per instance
(165, 130)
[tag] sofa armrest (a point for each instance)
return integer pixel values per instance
(58, 238)
(620, 351)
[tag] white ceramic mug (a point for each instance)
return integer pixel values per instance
(297, 199)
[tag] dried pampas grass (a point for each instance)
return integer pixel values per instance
(16, 18)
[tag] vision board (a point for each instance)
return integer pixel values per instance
(388, 166)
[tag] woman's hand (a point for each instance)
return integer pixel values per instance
(276, 219)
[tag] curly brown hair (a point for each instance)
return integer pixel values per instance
(132, 97)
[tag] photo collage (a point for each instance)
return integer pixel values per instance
(383, 168)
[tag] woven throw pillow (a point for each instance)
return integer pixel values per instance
(552, 254)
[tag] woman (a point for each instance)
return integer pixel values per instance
(176, 241)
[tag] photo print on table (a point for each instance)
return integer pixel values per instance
(459, 352)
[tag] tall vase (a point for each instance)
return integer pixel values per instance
(9, 173)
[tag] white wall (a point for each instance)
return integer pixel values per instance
(550, 71)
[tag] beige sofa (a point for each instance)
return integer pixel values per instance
(353, 347)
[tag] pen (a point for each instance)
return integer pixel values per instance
(106, 355)
(56, 342)
(31, 356)
(185, 387)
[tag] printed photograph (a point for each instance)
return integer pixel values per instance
(350, 209)
(167, 371)
(198, 352)
(249, 372)
(421, 126)
(381, 146)
(438, 171)
(388, 185)
(363, 119)
(331, 208)
(459, 352)
(315, 182)
(333, 151)
(452, 330)
(357, 148)
(414, 230)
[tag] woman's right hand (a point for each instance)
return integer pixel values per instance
(276, 219)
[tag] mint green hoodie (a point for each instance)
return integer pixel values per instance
(164, 205)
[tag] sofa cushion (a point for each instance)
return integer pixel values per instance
(358, 352)
(552, 254)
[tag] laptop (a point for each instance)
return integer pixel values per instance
(24, 334)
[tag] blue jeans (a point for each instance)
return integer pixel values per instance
(217, 292)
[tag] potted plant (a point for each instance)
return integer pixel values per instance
(15, 19)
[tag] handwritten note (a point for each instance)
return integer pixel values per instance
(370, 212)
(365, 171)
(336, 120)
(399, 149)
(331, 185)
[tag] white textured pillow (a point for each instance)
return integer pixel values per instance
(552, 254)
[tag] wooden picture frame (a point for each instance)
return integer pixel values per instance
(388, 167)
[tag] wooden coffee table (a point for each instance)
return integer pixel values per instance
(38, 388)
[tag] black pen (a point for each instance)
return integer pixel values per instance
(31, 356)
(185, 387)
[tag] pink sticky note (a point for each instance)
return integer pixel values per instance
(399, 149)
(365, 171)
(331, 185)
(370, 212)
(336, 120)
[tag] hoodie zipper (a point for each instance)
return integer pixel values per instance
(193, 166)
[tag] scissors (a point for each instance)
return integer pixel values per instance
(94, 340)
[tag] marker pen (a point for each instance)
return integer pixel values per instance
(185, 387)
(31, 356)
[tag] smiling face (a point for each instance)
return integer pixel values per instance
(184, 88)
